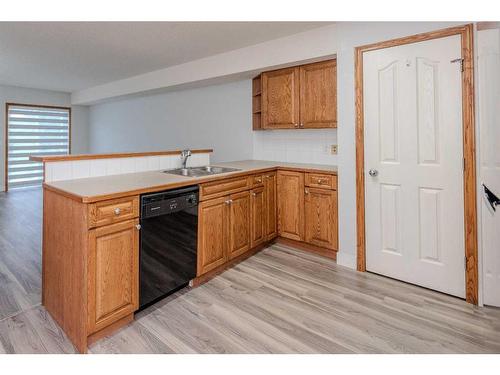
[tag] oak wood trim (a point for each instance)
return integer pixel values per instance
(112, 328)
(197, 281)
(488, 25)
(113, 155)
(328, 253)
(64, 271)
(470, 209)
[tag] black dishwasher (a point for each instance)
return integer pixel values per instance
(168, 240)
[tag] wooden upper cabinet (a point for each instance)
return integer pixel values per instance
(291, 205)
(113, 272)
(271, 221)
(257, 216)
(280, 99)
(299, 97)
(318, 95)
(321, 217)
(212, 237)
(239, 224)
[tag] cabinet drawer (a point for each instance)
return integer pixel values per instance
(220, 188)
(257, 180)
(113, 211)
(324, 181)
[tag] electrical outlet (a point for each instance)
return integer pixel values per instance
(333, 149)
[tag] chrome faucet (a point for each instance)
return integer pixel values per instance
(185, 154)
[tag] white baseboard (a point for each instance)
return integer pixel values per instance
(346, 259)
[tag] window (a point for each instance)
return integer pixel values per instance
(34, 130)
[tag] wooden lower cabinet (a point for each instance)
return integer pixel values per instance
(113, 273)
(239, 224)
(291, 205)
(270, 209)
(212, 234)
(257, 216)
(321, 218)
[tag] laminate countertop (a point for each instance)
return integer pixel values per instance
(95, 189)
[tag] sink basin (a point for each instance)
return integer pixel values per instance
(206, 170)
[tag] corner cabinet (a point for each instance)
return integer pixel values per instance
(307, 209)
(291, 205)
(302, 97)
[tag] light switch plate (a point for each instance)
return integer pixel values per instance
(333, 149)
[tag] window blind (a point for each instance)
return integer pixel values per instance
(34, 131)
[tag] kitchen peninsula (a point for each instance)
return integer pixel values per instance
(91, 229)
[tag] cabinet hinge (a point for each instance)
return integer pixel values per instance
(461, 61)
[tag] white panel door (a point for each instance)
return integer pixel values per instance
(489, 134)
(413, 139)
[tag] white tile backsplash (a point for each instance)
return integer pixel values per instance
(295, 146)
(68, 170)
(80, 169)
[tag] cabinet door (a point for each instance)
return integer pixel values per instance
(212, 239)
(280, 99)
(318, 95)
(257, 216)
(270, 205)
(113, 273)
(291, 205)
(239, 224)
(321, 217)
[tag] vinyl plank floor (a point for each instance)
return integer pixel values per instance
(20, 250)
(281, 300)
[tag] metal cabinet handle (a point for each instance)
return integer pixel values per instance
(301, 125)
(117, 211)
(307, 191)
(229, 201)
(296, 125)
(138, 226)
(321, 181)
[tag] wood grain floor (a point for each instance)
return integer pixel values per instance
(284, 301)
(20, 250)
(279, 301)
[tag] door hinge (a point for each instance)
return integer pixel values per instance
(461, 61)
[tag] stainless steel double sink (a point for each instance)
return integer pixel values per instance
(206, 170)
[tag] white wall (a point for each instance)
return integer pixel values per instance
(220, 116)
(217, 117)
(488, 135)
(35, 96)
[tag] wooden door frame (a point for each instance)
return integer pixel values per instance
(469, 149)
(6, 141)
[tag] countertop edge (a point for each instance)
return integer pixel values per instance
(117, 155)
(201, 180)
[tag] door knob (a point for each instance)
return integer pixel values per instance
(373, 172)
